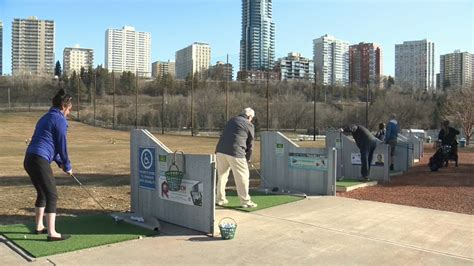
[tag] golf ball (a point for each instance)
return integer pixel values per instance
(24, 236)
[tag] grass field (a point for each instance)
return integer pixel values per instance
(103, 167)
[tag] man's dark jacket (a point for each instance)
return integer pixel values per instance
(237, 138)
(448, 138)
(363, 137)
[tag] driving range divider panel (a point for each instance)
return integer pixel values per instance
(154, 193)
(349, 158)
(288, 167)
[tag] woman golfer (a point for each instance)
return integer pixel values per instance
(49, 144)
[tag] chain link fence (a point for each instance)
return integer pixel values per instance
(202, 107)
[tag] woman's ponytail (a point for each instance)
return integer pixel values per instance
(61, 99)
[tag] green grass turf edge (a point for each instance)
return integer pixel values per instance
(87, 231)
(262, 199)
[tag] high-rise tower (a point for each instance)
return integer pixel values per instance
(414, 64)
(331, 60)
(128, 50)
(257, 46)
(32, 46)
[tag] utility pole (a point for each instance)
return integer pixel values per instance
(268, 92)
(78, 101)
(9, 105)
(314, 111)
(367, 106)
(113, 100)
(226, 90)
(136, 99)
(192, 104)
(163, 111)
(29, 92)
(95, 92)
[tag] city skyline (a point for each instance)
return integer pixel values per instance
(175, 24)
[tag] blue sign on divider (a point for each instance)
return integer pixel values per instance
(146, 168)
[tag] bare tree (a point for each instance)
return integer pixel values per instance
(459, 106)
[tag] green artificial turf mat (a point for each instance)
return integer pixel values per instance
(348, 182)
(86, 231)
(263, 200)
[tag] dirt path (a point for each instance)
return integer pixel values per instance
(449, 189)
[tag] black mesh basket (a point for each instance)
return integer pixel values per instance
(174, 178)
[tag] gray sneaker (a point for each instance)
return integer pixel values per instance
(249, 204)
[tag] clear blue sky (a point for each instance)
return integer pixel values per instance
(175, 24)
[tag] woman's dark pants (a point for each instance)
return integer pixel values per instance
(41, 176)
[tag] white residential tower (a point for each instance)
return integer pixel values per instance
(128, 50)
(331, 60)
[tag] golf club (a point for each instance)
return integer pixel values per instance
(88, 192)
(275, 189)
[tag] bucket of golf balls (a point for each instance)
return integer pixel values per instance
(227, 226)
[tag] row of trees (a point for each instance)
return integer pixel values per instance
(201, 105)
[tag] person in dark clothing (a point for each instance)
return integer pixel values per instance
(380, 134)
(233, 151)
(366, 142)
(391, 136)
(447, 136)
(49, 144)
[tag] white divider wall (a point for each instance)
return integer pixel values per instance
(287, 166)
(404, 156)
(418, 148)
(333, 140)
(349, 168)
(149, 196)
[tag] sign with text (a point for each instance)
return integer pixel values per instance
(279, 149)
(146, 168)
(162, 163)
(189, 193)
(377, 160)
(308, 161)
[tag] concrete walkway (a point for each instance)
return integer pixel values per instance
(321, 230)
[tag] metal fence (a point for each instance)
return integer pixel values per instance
(197, 106)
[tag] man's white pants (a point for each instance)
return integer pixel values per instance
(240, 169)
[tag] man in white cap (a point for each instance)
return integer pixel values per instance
(233, 151)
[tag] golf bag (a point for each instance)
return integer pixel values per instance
(440, 157)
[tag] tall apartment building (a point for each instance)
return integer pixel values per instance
(456, 69)
(257, 44)
(161, 68)
(331, 61)
(128, 50)
(74, 58)
(194, 59)
(1, 48)
(32, 46)
(414, 64)
(296, 67)
(365, 64)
